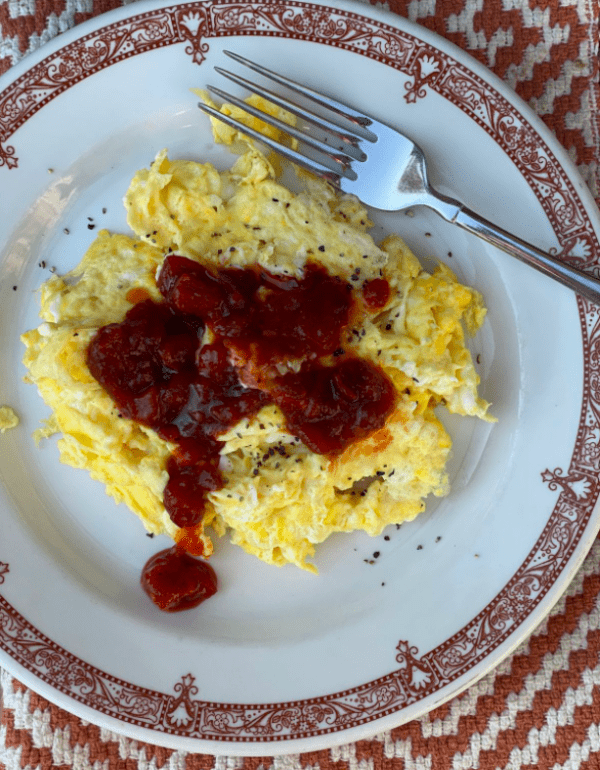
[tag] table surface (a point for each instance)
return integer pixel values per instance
(541, 707)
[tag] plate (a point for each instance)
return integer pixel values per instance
(281, 661)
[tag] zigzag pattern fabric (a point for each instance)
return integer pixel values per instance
(541, 707)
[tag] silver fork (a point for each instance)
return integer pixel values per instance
(382, 167)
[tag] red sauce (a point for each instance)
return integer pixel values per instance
(153, 366)
(158, 373)
(176, 581)
(136, 295)
(190, 539)
(376, 293)
(270, 317)
(328, 407)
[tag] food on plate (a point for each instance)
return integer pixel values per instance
(250, 361)
(8, 418)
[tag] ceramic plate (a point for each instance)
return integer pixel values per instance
(282, 661)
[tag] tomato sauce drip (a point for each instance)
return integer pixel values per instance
(376, 293)
(190, 540)
(157, 371)
(176, 581)
(137, 294)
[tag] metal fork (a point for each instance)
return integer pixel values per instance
(382, 167)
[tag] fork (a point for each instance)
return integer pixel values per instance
(379, 165)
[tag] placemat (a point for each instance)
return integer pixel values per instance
(541, 707)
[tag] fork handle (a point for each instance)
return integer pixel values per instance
(582, 283)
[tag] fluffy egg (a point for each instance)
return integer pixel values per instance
(279, 499)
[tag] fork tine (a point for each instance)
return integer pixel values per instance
(301, 160)
(359, 122)
(326, 149)
(350, 141)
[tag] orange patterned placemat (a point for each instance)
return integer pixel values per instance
(541, 707)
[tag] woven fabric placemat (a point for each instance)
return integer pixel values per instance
(541, 707)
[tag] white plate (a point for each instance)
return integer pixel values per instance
(282, 661)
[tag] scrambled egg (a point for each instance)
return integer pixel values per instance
(8, 418)
(279, 500)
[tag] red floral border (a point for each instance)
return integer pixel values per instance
(180, 713)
